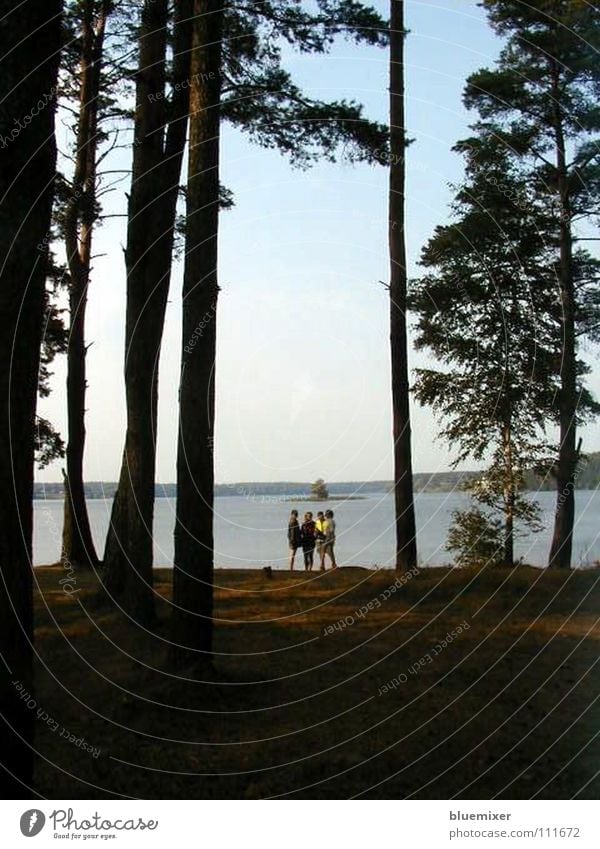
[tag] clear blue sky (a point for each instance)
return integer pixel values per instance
(303, 369)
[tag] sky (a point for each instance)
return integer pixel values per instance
(303, 373)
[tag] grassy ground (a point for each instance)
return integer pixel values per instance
(296, 707)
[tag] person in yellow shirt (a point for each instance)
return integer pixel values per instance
(320, 537)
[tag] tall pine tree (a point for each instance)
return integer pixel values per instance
(542, 99)
(158, 149)
(28, 76)
(487, 311)
(406, 535)
(88, 19)
(259, 96)
(267, 103)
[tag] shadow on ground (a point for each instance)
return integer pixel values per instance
(297, 706)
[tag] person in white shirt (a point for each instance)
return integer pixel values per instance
(329, 531)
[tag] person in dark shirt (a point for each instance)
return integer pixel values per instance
(308, 536)
(293, 537)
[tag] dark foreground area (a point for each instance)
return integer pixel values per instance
(450, 684)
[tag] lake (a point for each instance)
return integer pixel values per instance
(250, 531)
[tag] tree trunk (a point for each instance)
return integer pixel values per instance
(562, 539)
(509, 497)
(157, 161)
(406, 542)
(194, 549)
(77, 545)
(32, 30)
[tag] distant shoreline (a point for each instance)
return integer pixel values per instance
(310, 499)
(271, 498)
(48, 494)
(426, 482)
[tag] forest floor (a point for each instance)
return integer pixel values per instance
(328, 685)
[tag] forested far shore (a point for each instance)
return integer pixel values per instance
(588, 478)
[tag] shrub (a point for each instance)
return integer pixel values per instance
(476, 538)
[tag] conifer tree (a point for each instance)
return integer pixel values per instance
(542, 100)
(29, 70)
(257, 95)
(406, 534)
(487, 310)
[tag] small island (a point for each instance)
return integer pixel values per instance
(320, 492)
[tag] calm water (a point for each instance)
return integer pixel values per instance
(251, 533)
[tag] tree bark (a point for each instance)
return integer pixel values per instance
(406, 542)
(562, 539)
(77, 545)
(28, 78)
(194, 549)
(157, 161)
(509, 497)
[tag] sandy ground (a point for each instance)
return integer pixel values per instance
(448, 684)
